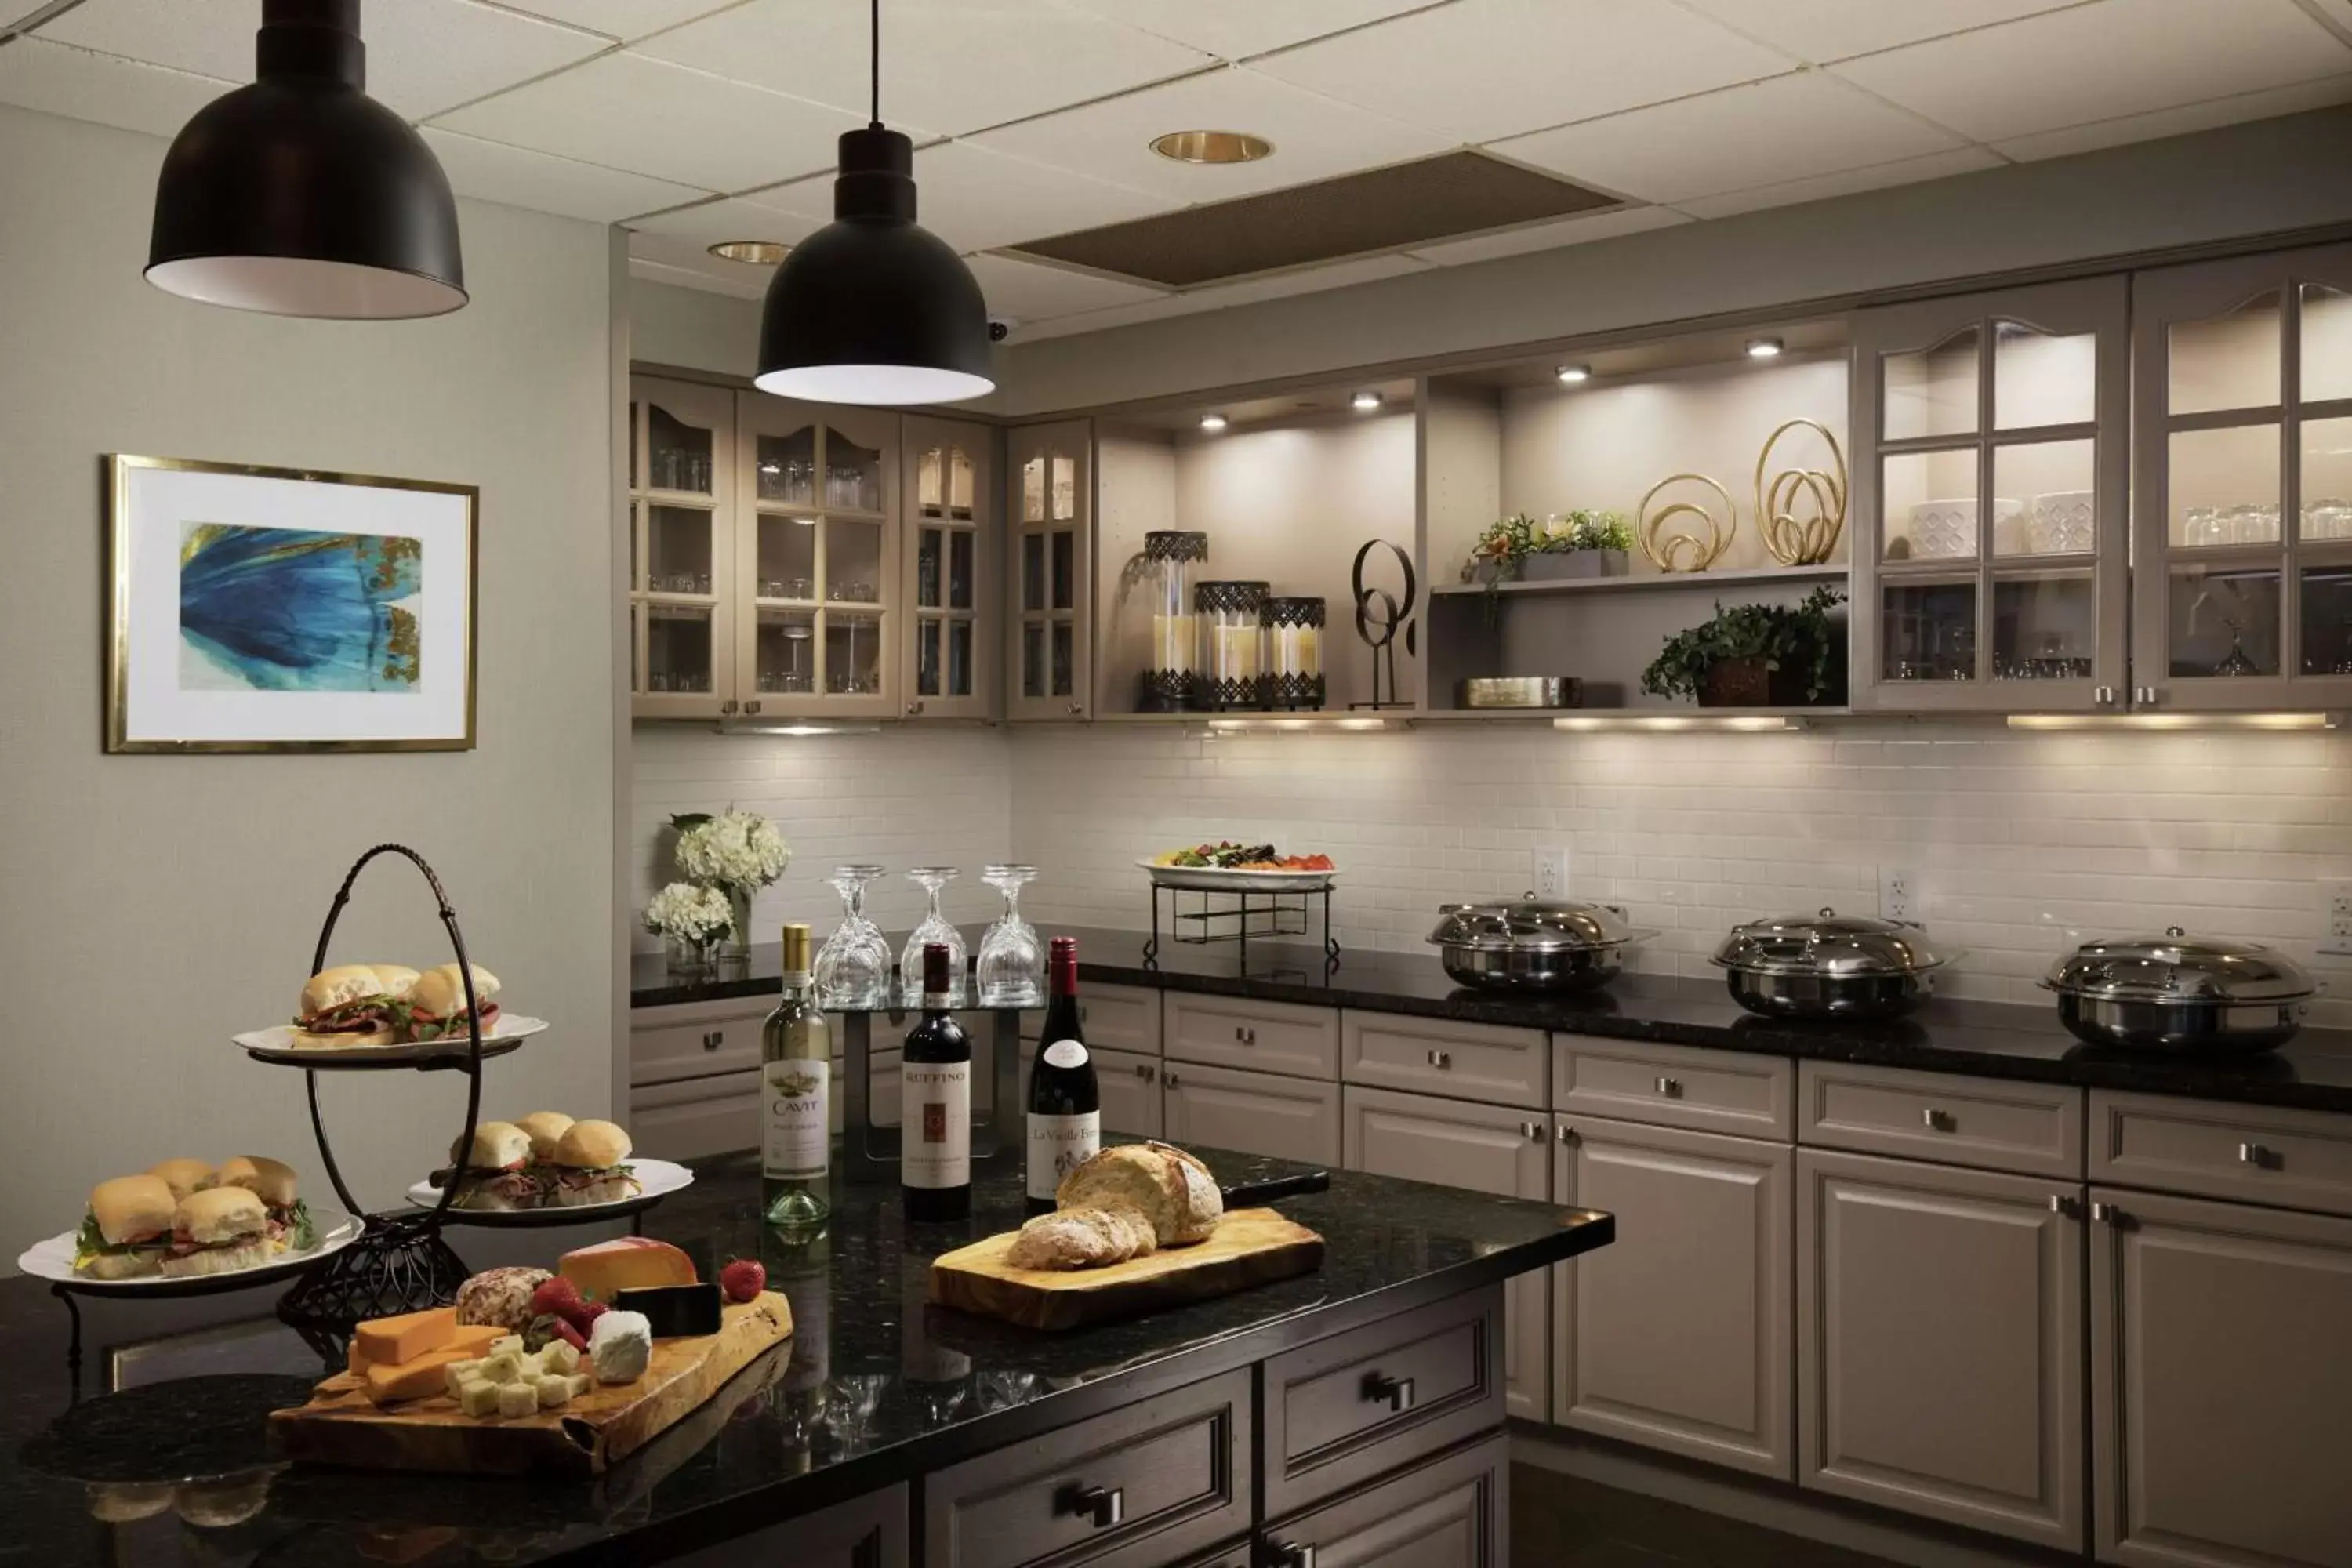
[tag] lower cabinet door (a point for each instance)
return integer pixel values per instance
(1252, 1112)
(1452, 1512)
(1129, 1082)
(2220, 1392)
(1486, 1149)
(868, 1532)
(696, 1118)
(1677, 1334)
(1940, 1343)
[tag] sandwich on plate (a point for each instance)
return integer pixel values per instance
(219, 1231)
(355, 1004)
(546, 1129)
(437, 1003)
(588, 1166)
(126, 1230)
(495, 1172)
(272, 1181)
(185, 1176)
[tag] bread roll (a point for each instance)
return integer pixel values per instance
(397, 979)
(498, 1146)
(132, 1208)
(546, 1129)
(441, 992)
(347, 983)
(271, 1181)
(183, 1175)
(221, 1259)
(342, 1040)
(592, 1146)
(220, 1213)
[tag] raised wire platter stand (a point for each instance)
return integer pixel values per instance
(1241, 917)
(1007, 1128)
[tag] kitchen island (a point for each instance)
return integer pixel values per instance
(1325, 1403)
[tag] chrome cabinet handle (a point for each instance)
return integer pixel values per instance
(1567, 1134)
(1671, 1088)
(1531, 1129)
(728, 706)
(1396, 1393)
(1935, 1120)
(751, 707)
(2060, 1204)
(2104, 696)
(1290, 1554)
(2254, 1155)
(2106, 1213)
(714, 1038)
(1106, 1506)
(913, 709)
(1170, 1080)
(1144, 1071)
(1246, 1036)
(1076, 709)
(1442, 1060)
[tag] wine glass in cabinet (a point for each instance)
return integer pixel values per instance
(2242, 518)
(952, 619)
(1049, 507)
(1992, 551)
(817, 551)
(681, 557)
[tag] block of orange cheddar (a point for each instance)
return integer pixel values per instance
(472, 1339)
(411, 1379)
(388, 1342)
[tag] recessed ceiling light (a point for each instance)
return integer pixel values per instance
(1213, 146)
(1365, 402)
(750, 252)
(1213, 421)
(1570, 375)
(1763, 348)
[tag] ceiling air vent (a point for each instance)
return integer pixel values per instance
(1403, 204)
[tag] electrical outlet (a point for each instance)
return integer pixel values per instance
(2336, 918)
(1899, 895)
(1551, 872)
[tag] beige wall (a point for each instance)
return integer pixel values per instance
(151, 906)
(693, 329)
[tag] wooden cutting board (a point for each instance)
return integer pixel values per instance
(1251, 1246)
(340, 1427)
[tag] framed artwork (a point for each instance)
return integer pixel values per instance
(254, 609)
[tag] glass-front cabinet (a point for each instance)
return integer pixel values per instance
(1991, 559)
(949, 591)
(1049, 502)
(2244, 483)
(681, 567)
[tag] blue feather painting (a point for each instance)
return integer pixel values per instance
(289, 609)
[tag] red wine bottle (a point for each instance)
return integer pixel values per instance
(935, 1101)
(1065, 1100)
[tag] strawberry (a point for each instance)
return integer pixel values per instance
(742, 1279)
(585, 1319)
(571, 1336)
(557, 1297)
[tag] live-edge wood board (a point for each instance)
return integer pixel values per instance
(1250, 1246)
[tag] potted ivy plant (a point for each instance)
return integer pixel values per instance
(1521, 549)
(1756, 656)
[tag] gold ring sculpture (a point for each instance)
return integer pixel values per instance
(1668, 555)
(1793, 541)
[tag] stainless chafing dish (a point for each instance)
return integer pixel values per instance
(1531, 945)
(1829, 965)
(2181, 993)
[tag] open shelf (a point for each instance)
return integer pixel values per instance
(1835, 572)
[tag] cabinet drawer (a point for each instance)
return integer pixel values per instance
(699, 1040)
(1114, 1018)
(2035, 1129)
(1452, 1509)
(1141, 1486)
(1342, 1410)
(1675, 1085)
(2295, 1158)
(867, 1532)
(1466, 1061)
(696, 1119)
(1251, 1113)
(1258, 1037)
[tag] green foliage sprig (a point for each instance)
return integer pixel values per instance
(1512, 539)
(1784, 637)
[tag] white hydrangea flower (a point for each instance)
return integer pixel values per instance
(736, 849)
(690, 913)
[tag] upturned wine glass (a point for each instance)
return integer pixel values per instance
(1011, 962)
(934, 929)
(853, 967)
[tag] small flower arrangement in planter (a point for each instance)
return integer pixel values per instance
(1521, 549)
(1756, 656)
(737, 852)
(691, 919)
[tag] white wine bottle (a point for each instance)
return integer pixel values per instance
(797, 1135)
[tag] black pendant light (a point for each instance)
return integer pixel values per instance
(301, 196)
(872, 308)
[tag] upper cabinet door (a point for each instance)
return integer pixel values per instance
(953, 636)
(681, 550)
(2243, 498)
(817, 553)
(1049, 509)
(1990, 459)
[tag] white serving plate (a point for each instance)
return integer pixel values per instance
(53, 1259)
(277, 1045)
(1213, 879)
(658, 1178)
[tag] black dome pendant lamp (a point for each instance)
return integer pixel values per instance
(872, 308)
(298, 195)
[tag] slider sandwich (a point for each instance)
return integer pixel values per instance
(494, 1173)
(126, 1230)
(355, 1004)
(437, 1003)
(588, 1166)
(272, 1181)
(218, 1231)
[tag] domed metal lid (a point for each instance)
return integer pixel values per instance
(2177, 967)
(1831, 945)
(1531, 925)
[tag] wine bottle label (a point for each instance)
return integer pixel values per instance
(1066, 1054)
(797, 1136)
(935, 1125)
(1058, 1145)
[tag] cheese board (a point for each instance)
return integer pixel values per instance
(1250, 1246)
(584, 1438)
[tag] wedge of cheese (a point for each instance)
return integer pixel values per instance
(426, 1375)
(625, 1263)
(390, 1342)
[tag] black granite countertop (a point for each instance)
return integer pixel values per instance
(876, 1385)
(1991, 1039)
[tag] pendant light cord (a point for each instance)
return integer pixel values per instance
(876, 123)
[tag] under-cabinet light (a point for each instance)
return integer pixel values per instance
(1291, 725)
(1364, 402)
(1572, 375)
(1587, 723)
(2173, 721)
(1213, 421)
(1764, 348)
(792, 727)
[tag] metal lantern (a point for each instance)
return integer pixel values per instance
(1230, 619)
(1170, 557)
(1293, 673)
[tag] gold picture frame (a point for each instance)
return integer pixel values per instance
(130, 725)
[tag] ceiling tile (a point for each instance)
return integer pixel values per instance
(651, 118)
(493, 172)
(1482, 69)
(1550, 235)
(2098, 62)
(1235, 29)
(1788, 128)
(626, 20)
(1025, 292)
(1821, 187)
(102, 88)
(1821, 30)
(1314, 137)
(715, 223)
(2180, 122)
(652, 271)
(423, 56)
(1341, 274)
(977, 200)
(948, 65)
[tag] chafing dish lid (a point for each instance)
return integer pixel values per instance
(1830, 945)
(2177, 967)
(1531, 925)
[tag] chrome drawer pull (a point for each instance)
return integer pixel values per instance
(1106, 1506)
(1144, 1071)
(2254, 1155)
(714, 1038)
(1246, 1036)
(1531, 1129)
(1441, 1060)
(1396, 1393)
(1935, 1120)
(1671, 1088)
(2106, 1213)
(1290, 1554)
(1171, 1079)
(1567, 1133)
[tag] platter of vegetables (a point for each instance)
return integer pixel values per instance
(1228, 866)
